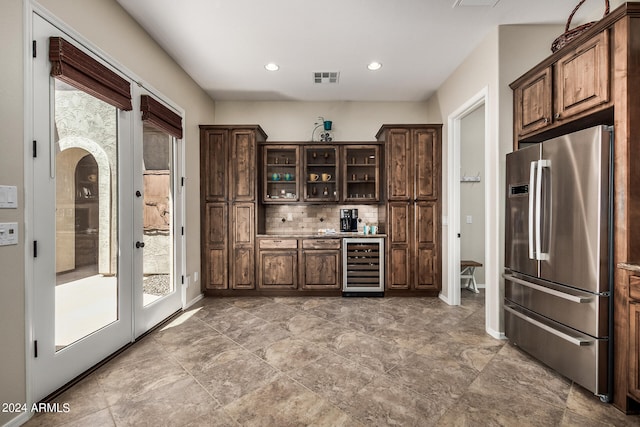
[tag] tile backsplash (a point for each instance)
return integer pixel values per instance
(310, 218)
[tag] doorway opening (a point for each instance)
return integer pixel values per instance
(472, 201)
(468, 130)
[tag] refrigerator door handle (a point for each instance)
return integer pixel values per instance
(573, 340)
(541, 256)
(563, 295)
(532, 186)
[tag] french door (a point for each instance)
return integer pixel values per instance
(157, 214)
(104, 212)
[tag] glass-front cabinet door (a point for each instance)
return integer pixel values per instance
(320, 173)
(281, 169)
(361, 181)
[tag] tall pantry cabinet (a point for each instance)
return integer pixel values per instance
(228, 199)
(413, 209)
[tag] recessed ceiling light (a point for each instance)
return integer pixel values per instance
(374, 66)
(272, 67)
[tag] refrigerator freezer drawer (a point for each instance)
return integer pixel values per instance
(578, 357)
(584, 311)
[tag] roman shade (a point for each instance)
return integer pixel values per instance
(76, 68)
(158, 115)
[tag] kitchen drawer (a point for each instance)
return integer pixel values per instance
(634, 287)
(278, 244)
(321, 244)
(581, 310)
(577, 356)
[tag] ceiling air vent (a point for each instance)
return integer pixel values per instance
(475, 3)
(326, 77)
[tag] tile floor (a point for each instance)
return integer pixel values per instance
(328, 362)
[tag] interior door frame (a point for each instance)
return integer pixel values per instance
(453, 179)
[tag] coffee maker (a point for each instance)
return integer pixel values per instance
(348, 220)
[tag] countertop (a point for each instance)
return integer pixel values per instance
(631, 266)
(338, 235)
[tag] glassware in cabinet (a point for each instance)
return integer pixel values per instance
(320, 173)
(281, 174)
(361, 168)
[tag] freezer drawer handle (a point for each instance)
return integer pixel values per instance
(575, 341)
(568, 297)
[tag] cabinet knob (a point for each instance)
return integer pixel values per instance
(546, 120)
(557, 116)
(139, 245)
(138, 193)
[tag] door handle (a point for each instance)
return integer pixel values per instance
(139, 245)
(532, 203)
(539, 254)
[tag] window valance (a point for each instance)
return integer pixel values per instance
(158, 115)
(78, 69)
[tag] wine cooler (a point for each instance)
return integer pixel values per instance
(363, 266)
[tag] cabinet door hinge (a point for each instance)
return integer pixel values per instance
(35, 249)
(35, 348)
(35, 148)
(182, 278)
(33, 48)
(182, 181)
(182, 231)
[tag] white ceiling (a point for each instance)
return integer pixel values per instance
(224, 44)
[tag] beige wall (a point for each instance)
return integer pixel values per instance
(294, 121)
(107, 26)
(12, 298)
(506, 53)
(478, 71)
(472, 194)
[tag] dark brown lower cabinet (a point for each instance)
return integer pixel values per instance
(242, 262)
(320, 264)
(399, 245)
(634, 337)
(412, 255)
(278, 269)
(426, 238)
(215, 246)
(320, 269)
(304, 264)
(634, 350)
(277, 263)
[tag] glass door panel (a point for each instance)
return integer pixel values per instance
(321, 167)
(86, 214)
(281, 174)
(361, 180)
(158, 236)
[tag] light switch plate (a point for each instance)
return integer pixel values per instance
(8, 233)
(8, 197)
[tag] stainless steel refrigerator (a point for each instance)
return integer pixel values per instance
(558, 255)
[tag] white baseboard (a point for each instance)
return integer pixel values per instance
(443, 298)
(19, 420)
(495, 334)
(193, 301)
